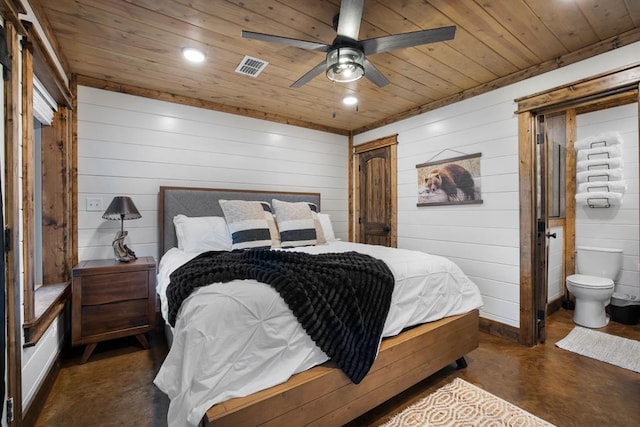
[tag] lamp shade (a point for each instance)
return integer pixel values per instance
(121, 207)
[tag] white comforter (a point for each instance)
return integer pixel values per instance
(236, 338)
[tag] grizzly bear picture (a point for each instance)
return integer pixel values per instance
(451, 178)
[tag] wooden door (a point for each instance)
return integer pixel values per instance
(550, 203)
(2, 296)
(541, 253)
(376, 184)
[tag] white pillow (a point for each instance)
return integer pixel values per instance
(327, 228)
(320, 239)
(201, 234)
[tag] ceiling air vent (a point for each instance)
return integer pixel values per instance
(251, 66)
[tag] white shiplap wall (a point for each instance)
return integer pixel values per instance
(130, 145)
(482, 239)
(618, 226)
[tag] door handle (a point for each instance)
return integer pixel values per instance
(551, 235)
(386, 229)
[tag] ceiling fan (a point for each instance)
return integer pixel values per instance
(346, 58)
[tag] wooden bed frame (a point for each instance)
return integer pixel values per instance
(324, 395)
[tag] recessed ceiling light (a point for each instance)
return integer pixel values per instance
(350, 100)
(193, 55)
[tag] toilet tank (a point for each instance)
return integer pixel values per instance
(600, 262)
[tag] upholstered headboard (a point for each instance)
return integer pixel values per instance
(195, 202)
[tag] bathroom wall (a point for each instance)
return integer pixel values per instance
(618, 226)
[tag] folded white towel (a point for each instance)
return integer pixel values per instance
(599, 153)
(599, 175)
(606, 139)
(599, 186)
(598, 164)
(602, 199)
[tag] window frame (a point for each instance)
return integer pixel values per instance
(44, 301)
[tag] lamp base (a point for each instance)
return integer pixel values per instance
(122, 251)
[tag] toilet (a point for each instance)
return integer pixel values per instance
(593, 286)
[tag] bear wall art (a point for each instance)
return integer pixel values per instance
(449, 182)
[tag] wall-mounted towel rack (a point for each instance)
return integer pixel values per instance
(599, 171)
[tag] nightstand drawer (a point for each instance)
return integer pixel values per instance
(99, 319)
(114, 287)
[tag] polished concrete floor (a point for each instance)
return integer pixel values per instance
(114, 388)
(561, 387)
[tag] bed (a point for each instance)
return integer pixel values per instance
(279, 376)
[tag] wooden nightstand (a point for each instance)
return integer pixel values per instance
(112, 299)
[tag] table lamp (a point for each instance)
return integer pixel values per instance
(122, 207)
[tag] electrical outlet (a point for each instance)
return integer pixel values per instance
(94, 204)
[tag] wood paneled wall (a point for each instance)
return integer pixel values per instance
(129, 145)
(57, 210)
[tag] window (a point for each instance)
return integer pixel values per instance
(46, 198)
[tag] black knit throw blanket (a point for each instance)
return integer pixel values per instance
(340, 299)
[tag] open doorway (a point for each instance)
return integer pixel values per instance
(536, 225)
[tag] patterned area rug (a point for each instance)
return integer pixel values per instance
(618, 351)
(460, 403)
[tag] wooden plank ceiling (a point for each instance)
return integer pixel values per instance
(138, 43)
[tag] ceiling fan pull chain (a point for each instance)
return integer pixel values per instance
(333, 91)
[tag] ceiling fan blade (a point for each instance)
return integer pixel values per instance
(399, 41)
(373, 74)
(318, 69)
(302, 44)
(349, 18)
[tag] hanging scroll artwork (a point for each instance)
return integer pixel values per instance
(451, 181)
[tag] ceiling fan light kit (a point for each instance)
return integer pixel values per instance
(345, 64)
(346, 59)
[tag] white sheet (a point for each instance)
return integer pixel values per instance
(234, 339)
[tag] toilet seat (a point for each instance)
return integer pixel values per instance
(590, 282)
